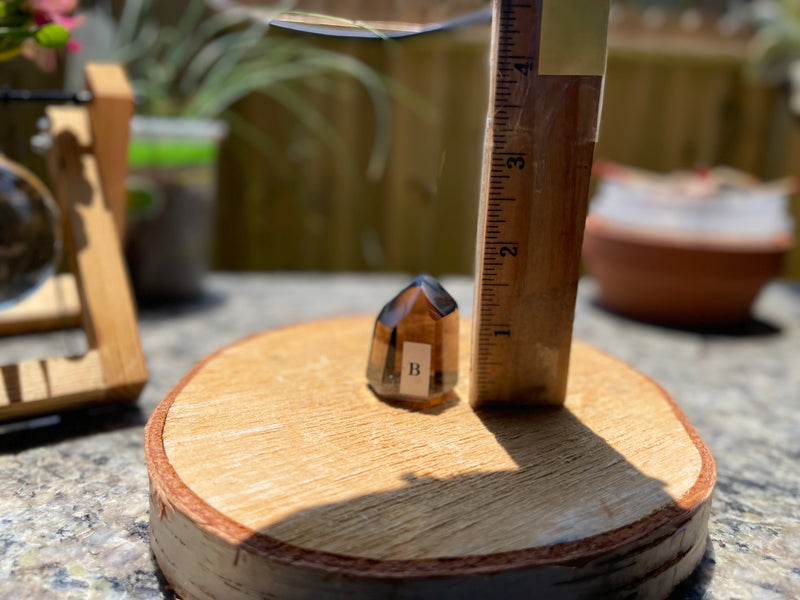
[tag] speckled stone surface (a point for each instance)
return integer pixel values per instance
(74, 491)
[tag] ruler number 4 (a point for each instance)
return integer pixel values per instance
(524, 68)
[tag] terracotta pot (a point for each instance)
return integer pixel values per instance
(677, 279)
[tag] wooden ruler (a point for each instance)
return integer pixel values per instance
(548, 61)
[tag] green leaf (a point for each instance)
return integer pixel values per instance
(52, 36)
(9, 53)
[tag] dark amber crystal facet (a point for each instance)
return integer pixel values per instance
(414, 354)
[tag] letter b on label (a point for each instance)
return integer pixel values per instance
(415, 378)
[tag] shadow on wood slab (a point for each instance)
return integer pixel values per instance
(559, 503)
(565, 475)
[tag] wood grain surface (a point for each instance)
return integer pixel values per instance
(55, 305)
(50, 385)
(276, 473)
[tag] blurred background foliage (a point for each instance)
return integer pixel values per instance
(690, 83)
(718, 6)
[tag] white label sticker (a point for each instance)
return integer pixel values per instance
(415, 378)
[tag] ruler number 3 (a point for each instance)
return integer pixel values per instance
(515, 161)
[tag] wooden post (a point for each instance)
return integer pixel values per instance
(110, 113)
(548, 64)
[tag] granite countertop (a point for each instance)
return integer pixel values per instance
(74, 493)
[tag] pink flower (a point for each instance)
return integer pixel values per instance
(53, 6)
(65, 21)
(55, 11)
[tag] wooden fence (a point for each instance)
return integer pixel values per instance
(674, 99)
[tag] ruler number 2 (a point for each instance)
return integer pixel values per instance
(508, 250)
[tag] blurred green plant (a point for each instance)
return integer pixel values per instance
(774, 53)
(777, 40)
(202, 66)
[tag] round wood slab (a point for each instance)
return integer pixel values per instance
(276, 473)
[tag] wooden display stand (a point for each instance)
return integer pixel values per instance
(276, 473)
(87, 167)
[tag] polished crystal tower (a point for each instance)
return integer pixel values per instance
(414, 354)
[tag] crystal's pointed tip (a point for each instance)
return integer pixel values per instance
(397, 309)
(436, 294)
(424, 279)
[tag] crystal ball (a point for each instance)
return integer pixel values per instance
(30, 233)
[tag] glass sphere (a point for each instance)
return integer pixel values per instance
(30, 233)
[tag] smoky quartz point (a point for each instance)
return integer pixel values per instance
(414, 354)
